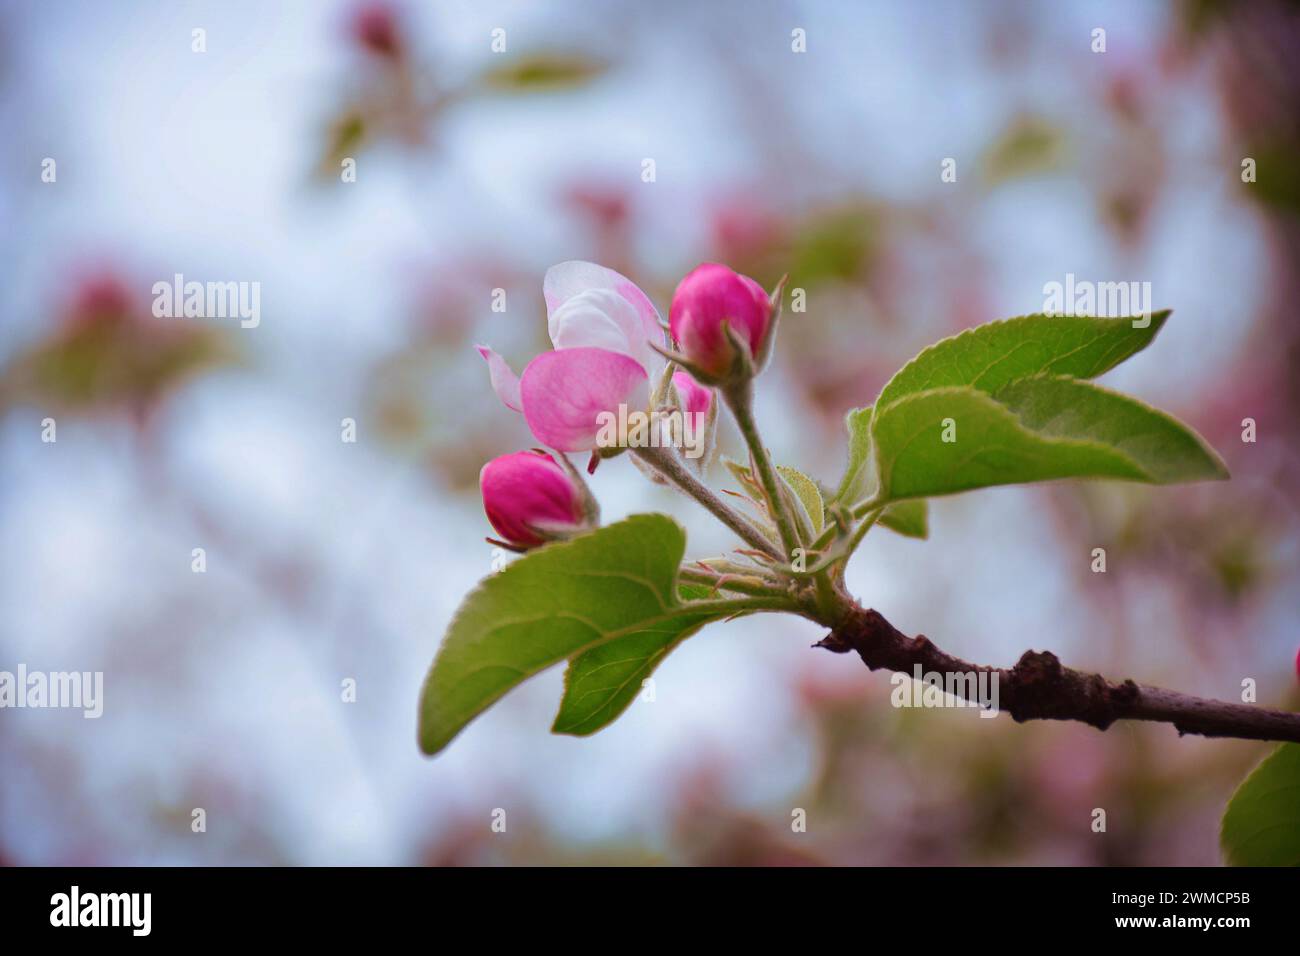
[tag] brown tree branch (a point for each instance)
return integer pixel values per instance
(1039, 687)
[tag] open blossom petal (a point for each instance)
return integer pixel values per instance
(504, 380)
(565, 391)
(570, 280)
(599, 318)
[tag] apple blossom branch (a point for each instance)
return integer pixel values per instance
(721, 329)
(1039, 687)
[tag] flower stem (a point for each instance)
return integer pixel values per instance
(666, 462)
(739, 399)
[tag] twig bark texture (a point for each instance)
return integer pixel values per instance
(1039, 687)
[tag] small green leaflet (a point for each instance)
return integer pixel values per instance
(908, 518)
(1261, 826)
(544, 71)
(809, 495)
(1037, 429)
(743, 476)
(857, 475)
(560, 602)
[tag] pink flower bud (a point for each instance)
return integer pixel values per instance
(102, 296)
(696, 398)
(530, 499)
(375, 27)
(709, 296)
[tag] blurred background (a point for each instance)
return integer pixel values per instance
(329, 561)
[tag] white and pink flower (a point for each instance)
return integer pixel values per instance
(602, 327)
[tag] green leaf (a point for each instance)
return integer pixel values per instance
(1163, 447)
(809, 495)
(559, 602)
(857, 475)
(601, 683)
(1036, 429)
(348, 135)
(989, 357)
(1261, 825)
(544, 71)
(1028, 146)
(908, 518)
